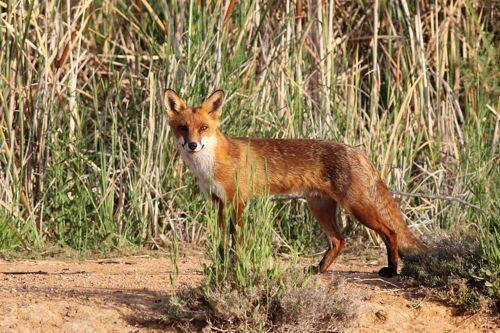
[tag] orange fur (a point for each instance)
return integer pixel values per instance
(327, 173)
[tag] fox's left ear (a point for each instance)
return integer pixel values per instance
(213, 104)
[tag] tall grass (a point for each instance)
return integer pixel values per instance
(86, 156)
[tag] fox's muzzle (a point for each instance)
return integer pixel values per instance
(193, 146)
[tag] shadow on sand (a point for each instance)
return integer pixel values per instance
(148, 308)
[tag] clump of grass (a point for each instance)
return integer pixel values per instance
(292, 306)
(313, 307)
(459, 271)
(250, 287)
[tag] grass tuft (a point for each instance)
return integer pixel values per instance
(456, 267)
(314, 307)
(292, 307)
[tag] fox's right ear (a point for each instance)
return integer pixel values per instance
(173, 102)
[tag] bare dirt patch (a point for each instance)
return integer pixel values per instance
(127, 294)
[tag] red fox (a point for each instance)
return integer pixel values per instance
(327, 173)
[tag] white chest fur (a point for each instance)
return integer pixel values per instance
(202, 165)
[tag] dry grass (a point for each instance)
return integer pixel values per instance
(315, 308)
(293, 307)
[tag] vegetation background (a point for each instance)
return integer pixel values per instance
(87, 160)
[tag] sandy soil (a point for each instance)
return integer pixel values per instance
(126, 294)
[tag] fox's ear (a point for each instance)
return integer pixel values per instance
(213, 104)
(173, 102)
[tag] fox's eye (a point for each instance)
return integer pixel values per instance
(203, 128)
(182, 128)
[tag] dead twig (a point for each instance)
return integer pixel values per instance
(284, 197)
(436, 197)
(375, 279)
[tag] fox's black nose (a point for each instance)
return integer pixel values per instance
(192, 145)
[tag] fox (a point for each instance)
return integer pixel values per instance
(328, 174)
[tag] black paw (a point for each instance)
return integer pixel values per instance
(387, 272)
(313, 269)
(222, 252)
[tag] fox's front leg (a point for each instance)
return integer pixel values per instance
(236, 225)
(221, 225)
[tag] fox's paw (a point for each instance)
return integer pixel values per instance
(313, 269)
(387, 272)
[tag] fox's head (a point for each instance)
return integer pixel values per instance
(194, 127)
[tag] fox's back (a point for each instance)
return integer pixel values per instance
(298, 165)
(296, 154)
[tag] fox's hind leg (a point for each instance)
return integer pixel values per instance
(324, 210)
(372, 219)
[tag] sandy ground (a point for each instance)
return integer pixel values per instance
(126, 294)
